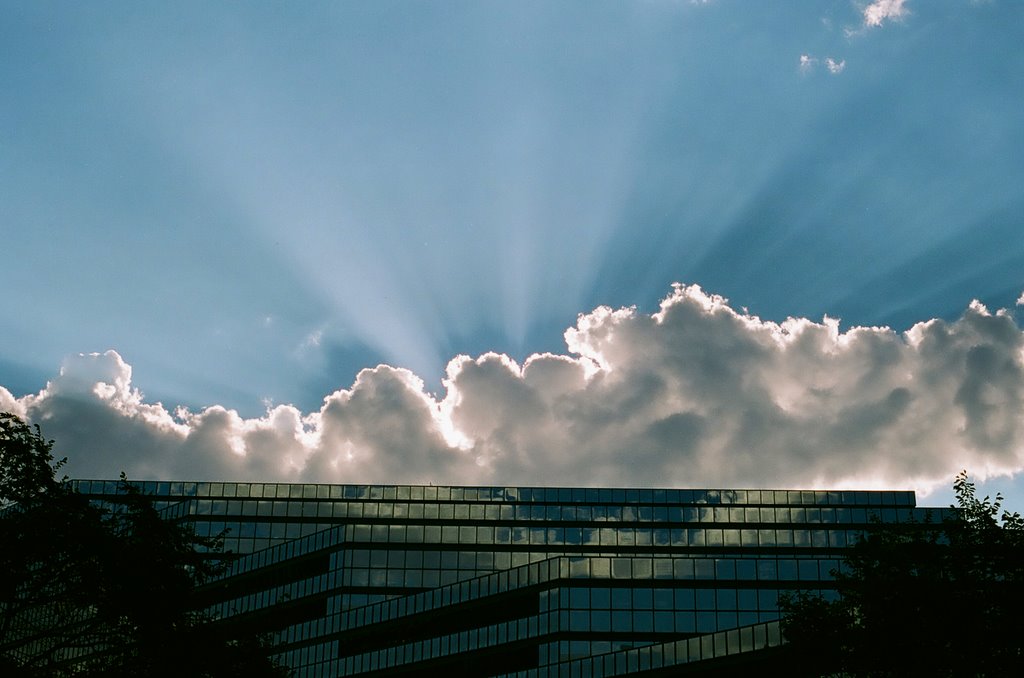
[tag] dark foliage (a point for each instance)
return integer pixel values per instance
(27, 469)
(924, 599)
(91, 591)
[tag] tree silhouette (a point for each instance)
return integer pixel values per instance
(102, 591)
(27, 469)
(921, 599)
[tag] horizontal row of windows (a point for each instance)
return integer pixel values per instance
(333, 510)
(600, 567)
(408, 578)
(312, 661)
(611, 537)
(616, 657)
(452, 560)
(665, 599)
(348, 601)
(770, 570)
(272, 535)
(620, 621)
(788, 570)
(246, 537)
(503, 494)
(566, 650)
(258, 529)
(245, 546)
(604, 536)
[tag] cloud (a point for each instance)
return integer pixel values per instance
(835, 67)
(879, 11)
(1020, 299)
(808, 64)
(313, 339)
(697, 394)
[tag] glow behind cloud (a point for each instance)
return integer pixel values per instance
(696, 390)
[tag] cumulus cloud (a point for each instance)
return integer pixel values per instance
(696, 394)
(880, 11)
(1020, 299)
(807, 63)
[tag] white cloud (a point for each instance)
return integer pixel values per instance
(879, 11)
(1020, 299)
(835, 67)
(808, 63)
(697, 394)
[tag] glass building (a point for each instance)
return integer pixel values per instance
(488, 581)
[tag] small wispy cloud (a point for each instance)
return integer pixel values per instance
(1020, 299)
(313, 339)
(808, 63)
(881, 11)
(309, 345)
(835, 67)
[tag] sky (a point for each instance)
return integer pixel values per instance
(661, 242)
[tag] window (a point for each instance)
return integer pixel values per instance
(684, 599)
(621, 599)
(726, 599)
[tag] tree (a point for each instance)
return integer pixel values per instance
(27, 469)
(922, 599)
(49, 537)
(111, 591)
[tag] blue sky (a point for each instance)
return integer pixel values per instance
(250, 203)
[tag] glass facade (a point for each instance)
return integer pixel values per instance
(519, 581)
